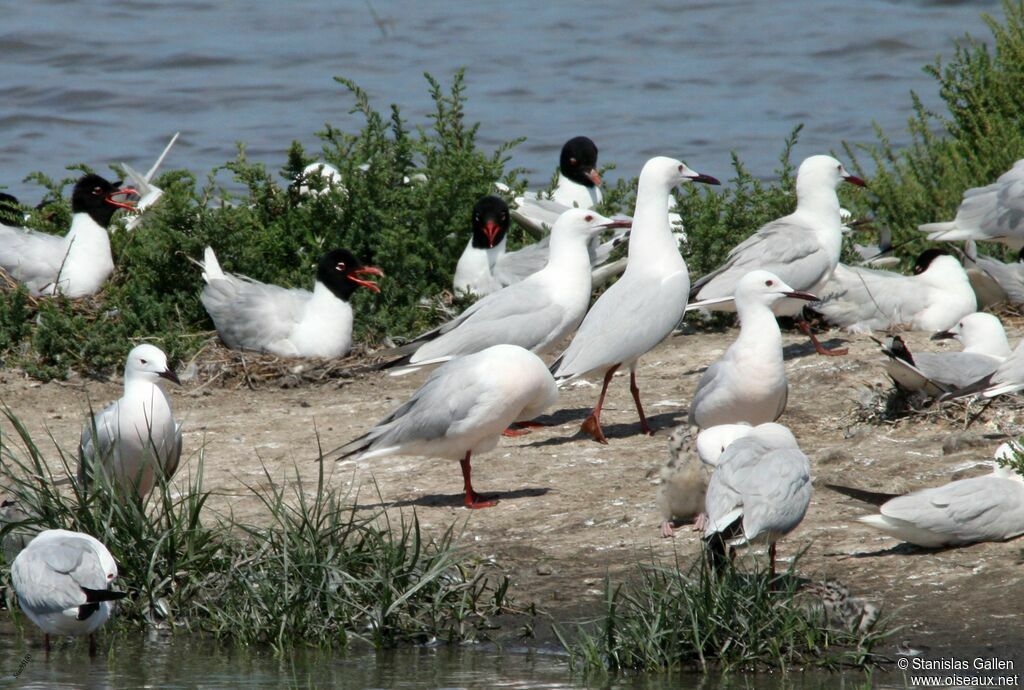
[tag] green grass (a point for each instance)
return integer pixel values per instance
(308, 569)
(670, 618)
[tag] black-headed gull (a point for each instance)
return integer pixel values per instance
(63, 581)
(136, 436)
(684, 480)
(966, 511)
(289, 322)
(641, 308)
(748, 383)
(536, 313)
(578, 186)
(77, 264)
(984, 348)
(759, 491)
(993, 213)
(485, 267)
(462, 410)
(934, 298)
(802, 248)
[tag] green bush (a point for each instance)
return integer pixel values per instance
(977, 140)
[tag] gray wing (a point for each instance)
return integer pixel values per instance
(978, 509)
(449, 399)
(174, 456)
(56, 571)
(512, 267)
(709, 380)
(630, 318)
(786, 247)
(1010, 277)
(955, 369)
(520, 314)
(97, 449)
(909, 377)
(249, 314)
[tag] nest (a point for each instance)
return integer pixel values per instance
(889, 405)
(215, 364)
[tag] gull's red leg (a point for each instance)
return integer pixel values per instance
(592, 424)
(805, 328)
(635, 390)
(473, 499)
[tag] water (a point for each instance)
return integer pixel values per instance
(101, 82)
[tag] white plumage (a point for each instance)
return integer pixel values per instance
(748, 384)
(63, 582)
(993, 213)
(289, 322)
(462, 409)
(136, 436)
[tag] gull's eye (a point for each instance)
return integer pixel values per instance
(143, 362)
(476, 218)
(340, 266)
(680, 168)
(97, 191)
(769, 283)
(572, 161)
(588, 218)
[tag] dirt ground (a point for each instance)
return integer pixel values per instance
(572, 510)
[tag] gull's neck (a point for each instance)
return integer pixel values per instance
(652, 247)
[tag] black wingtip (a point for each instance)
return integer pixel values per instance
(94, 596)
(876, 498)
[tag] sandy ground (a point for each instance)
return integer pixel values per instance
(572, 510)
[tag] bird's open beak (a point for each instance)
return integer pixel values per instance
(130, 205)
(706, 179)
(797, 294)
(368, 284)
(492, 230)
(594, 177)
(943, 335)
(853, 179)
(170, 376)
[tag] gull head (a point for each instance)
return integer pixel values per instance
(931, 257)
(148, 363)
(491, 222)
(975, 330)
(584, 224)
(713, 441)
(764, 287)
(825, 170)
(97, 197)
(578, 162)
(669, 172)
(341, 272)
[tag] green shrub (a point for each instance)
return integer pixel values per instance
(972, 144)
(671, 620)
(308, 570)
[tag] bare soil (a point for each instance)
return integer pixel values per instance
(572, 510)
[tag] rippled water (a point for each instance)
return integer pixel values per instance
(99, 82)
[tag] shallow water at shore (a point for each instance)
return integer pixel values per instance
(108, 82)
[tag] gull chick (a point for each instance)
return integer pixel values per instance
(684, 481)
(136, 435)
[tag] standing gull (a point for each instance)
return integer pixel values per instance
(63, 581)
(462, 409)
(759, 492)
(250, 315)
(802, 248)
(77, 264)
(643, 307)
(536, 314)
(748, 384)
(135, 436)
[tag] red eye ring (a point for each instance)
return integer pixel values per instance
(588, 218)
